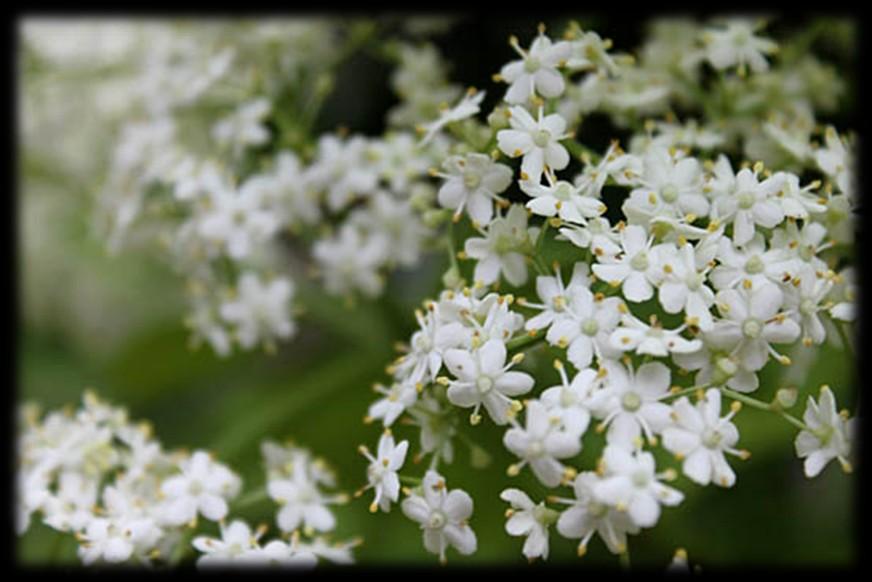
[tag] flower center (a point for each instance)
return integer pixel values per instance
(597, 509)
(484, 384)
(640, 478)
(640, 261)
(504, 243)
(808, 307)
(752, 328)
(471, 180)
(669, 193)
(536, 449)
(806, 252)
(567, 397)
(195, 488)
(563, 191)
(694, 281)
(754, 265)
(541, 137)
(745, 200)
(631, 402)
(531, 64)
(711, 438)
(437, 520)
(590, 327)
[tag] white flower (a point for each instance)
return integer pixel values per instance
(237, 221)
(473, 182)
(244, 127)
(629, 403)
(590, 51)
(341, 168)
(637, 269)
(737, 45)
(684, 288)
(802, 244)
(555, 296)
(537, 70)
(750, 262)
(836, 160)
(541, 444)
(500, 251)
(631, 484)
(104, 540)
(653, 340)
(294, 192)
(584, 327)
(588, 516)
(280, 553)
(596, 233)
(830, 435)
(443, 516)
(237, 545)
(751, 322)
(483, 378)
(468, 106)
(259, 310)
(397, 398)
(621, 167)
(427, 346)
(571, 400)
(795, 201)
(71, 508)
(718, 366)
(562, 199)
(535, 139)
(382, 470)
(351, 260)
(302, 503)
(393, 225)
(806, 300)
(202, 487)
(748, 203)
(669, 188)
(700, 437)
(529, 519)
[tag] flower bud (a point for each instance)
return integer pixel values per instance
(724, 369)
(433, 218)
(452, 279)
(499, 118)
(786, 397)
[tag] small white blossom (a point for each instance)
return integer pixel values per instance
(830, 435)
(382, 470)
(473, 182)
(537, 140)
(541, 444)
(700, 437)
(630, 483)
(484, 378)
(529, 519)
(537, 70)
(443, 516)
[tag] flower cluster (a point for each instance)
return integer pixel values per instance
(98, 475)
(217, 162)
(710, 265)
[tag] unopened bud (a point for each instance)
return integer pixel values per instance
(786, 397)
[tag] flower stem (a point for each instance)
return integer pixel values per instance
(524, 342)
(252, 498)
(766, 406)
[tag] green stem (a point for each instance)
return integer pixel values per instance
(577, 150)
(252, 498)
(410, 480)
(624, 559)
(766, 406)
(843, 334)
(524, 342)
(687, 391)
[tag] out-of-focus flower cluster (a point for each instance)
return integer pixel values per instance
(731, 248)
(106, 480)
